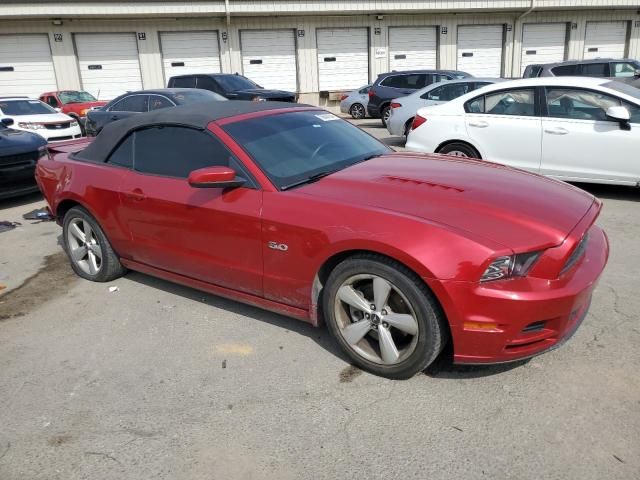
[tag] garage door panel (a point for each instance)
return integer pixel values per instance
(29, 57)
(269, 58)
(190, 52)
(108, 63)
(543, 43)
(343, 58)
(605, 39)
(480, 50)
(412, 48)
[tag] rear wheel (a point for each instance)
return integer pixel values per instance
(407, 127)
(357, 111)
(384, 115)
(383, 317)
(459, 149)
(88, 249)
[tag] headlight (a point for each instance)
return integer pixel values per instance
(30, 126)
(510, 266)
(83, 112)
(74, 123)
(259, 99)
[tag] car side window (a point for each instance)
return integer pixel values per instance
(475, 105)
(51, 101)
(594, 69)
(413, 81)
(184, 82)
(532, 71)
(446, 93)
(622, 69)
(634, 112)
(156, 102)
(564, 70)
(519, 102)
(132, 103)
(579, 104)
(364, 91)
(394, 81)
(177, 151)
(207, 83)
(123, 154)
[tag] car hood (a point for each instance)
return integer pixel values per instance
(42, 118)
(266, 93)
(15, 142)
(514, 208)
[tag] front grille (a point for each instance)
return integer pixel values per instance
(57, 125)
(21, 160)
(534, 327)
(576, 255)
(59, 139)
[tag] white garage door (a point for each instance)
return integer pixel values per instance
(543, 43)
(189, 52)
(108, 63)
(343, 58)
(26, 67)
(605, 39)
(269, 58)
(412, 48)
(480, 50)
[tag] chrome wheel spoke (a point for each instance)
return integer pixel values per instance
(348, 295)
(92, 262)
(78, 253)
(388, 350)
(403, 322)
(354, 332)
(88, 233)
(96, 250)
(381, 290)
(77, 233)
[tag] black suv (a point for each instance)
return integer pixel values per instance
(231, 86)
(399, 84)
(624, 70)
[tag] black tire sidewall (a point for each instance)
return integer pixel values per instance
(462, 147)
(430, 336)
(382, 112)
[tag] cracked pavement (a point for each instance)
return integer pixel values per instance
(160, 381)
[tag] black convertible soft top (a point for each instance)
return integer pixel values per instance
(194, 115)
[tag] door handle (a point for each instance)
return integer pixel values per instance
(114, 117)
(136, 195)
(556, 131)
(479, 124)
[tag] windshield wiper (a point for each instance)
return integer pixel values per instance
(311, 178)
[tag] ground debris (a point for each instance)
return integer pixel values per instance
(5, 225)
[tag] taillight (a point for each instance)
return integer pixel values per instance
(417, 121)
(395, 105)
(343, 97)
(371, 93)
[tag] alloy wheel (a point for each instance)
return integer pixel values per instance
(357, 111)
(84, 249)
(375, 319)
(457, 153)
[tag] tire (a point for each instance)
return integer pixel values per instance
(459, 149)
(384, 115)
(357, 111)
(92, 258)
(364, 337)
(407, 127)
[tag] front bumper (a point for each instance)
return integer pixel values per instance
(16, 181)
(504, 321)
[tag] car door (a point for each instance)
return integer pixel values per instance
(210, 234)
(506, 127)
(123, 108)
(580, 142)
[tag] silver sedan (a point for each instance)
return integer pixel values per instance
(404, 109)
(355, 103)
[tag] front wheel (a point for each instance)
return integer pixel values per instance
(357, 111)
(383, 316)
(458, 149)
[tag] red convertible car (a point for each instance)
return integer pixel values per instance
(292, 209)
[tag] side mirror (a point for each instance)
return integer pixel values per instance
(7, 122)
(637, 72)
(620, 115)
(215, 177)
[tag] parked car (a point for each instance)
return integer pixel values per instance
(19, 153)
(397, 84)
(571, 128)
(133, 103)
(403, 109)
(428, 249)
(74, 103)
(35, 116)
(625, 70)
(232, 86)
(355, 103)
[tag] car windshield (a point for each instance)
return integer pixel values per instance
(299, 147)
(231, 83)
(196, 96)
(75, 97)
(24, 107)
(624, 88)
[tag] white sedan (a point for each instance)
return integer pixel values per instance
(571, 128)
(38, 117)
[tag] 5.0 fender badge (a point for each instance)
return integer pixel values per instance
(283, 247)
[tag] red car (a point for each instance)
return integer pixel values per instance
(74, 103)
(292, 209)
